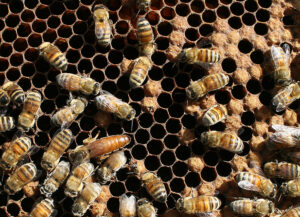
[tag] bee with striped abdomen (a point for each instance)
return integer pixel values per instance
(256, 207)
(103, 29)
(79, 174)
(15, 92)
(227, 141)
(88, 195)
(55, 178)
(43, 209)
(290, 188)
(282, 170)
(145, 208)
(56, 149)
(4, 97)
(292, 212)
(140, 71)
(28, 115)
(20, 177)
(143, 4)
(127, 206)
(206, 84)
(7, 123)
(154, 186)
(214, 115)
(254, 182)
(16, 150)
(145, 37)
(54, 56)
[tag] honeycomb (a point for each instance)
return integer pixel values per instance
(166, 138)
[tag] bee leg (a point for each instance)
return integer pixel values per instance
(90, 139)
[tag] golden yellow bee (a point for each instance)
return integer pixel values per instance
(54, 56)
(254, 182)
(198, 205)
(6, 123)
(20, 177)
(43, 209)
(93, 147)
(154, 186)
(15, 93)
(145, 37)
(227, 141)
(145, 208)
(56, 149)
(16, 150)
(214, 115)
(290, 188)
(55, 178)
(143, 4)
(112, 164)
(28, 115)
(88, 195)
(127, 206)
(292, 212)
(140, 71)
(4, 98)
(206, 84)
(69, 113)
(82, 84)
(283, 137)
(282, 170)
(286, 96)
(103, 29)
(109, 103)
(256, 207)
(79, 174)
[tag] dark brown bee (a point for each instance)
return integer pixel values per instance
(15, 92)
(198, 205)
(155, 186)
(282, 170)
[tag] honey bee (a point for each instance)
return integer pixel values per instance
(16, 150)
(145, 208)
(154, 186)
(57, 147)
(43, 209)
(145, 37)
(55, 179)
(286, 96)
(143, 4)
(293, 212)
(20, 177)
(256, 207)
(281, 64)
(206, 84)
(79, 174)
(88, 195)
(227, 141)
(140, 71)
(54, 56)
(4, 97)
(127, 206)
(114, 162)
(15, 93)
(290, 188)
(31, 105)
(198, 205)
(6, 123)
(109, 103)
(214, 115)
(103, 29)
(96, 147)
(69, 113)
(82, 84)
(257, 183)
(282, 170)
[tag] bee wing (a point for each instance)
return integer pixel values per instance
(277, 55)
(206, 66)
(283, 128)
(246, 185)
(287, 138)
(99, 29)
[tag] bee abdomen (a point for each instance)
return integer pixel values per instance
(157, 191)
(6, 123)
(214, 115)
(62, 141)
(144, 31)
(4, 98)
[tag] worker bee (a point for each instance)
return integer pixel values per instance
(257, 183)
(57, 147)
(145, 37)
(227, 141)
(16, 150)
(206, 84)
(6, 123)
(82, 84)
(286, 96)
(55, 179)
(282, 170)
(43, 209)
(79, 174)
(290, 188)
(145, 208)
(15, 93)
(114, 162)
(283, 137)
(214, 115)
(256, 207)
(88, 195)
(4, 97)
(53, 55)
(143, 4)
(20, 177)
(109, 103)
(292, 212)
(69, 113)
(127, 206)
(103, 29)
(198, 205)
(281, 64)
(140, 71)
(31, 105)
(154, 186)
(96, 147)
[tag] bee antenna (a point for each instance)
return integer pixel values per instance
(137, 14)
(173, 198)
(62, 200)
(131, 127)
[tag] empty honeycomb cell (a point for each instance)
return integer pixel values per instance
(132, 183)
(3, 10)
(64, 31)
(229, 65)
(171, 2)
(157, 131)
(183, 152)
(41, 139)
(9, 35)
(165, 28)
(87, 123)
(188, 121)
(162, 43)
(42, 12)
(167, 158)
(218, 126)
(20, 44)
(131, 53)
(235, 22)
(182, 80)
(265, 3)
(3, 199)
(60, 99)
(35, 40)
(123, 83)
(183, 9)
(42, 66)
(155, 147)
(261, 28)
(142, 136)
(117, 188)
(39, 26)
(12, 20)
(2, 25)
(206, 30)
(257, 57)
(248, 19)
(208, 174)
(139, 152)
(49, 35)
(31, 3)
(24, 30)
(43, 123)
(268, 82)
(197, 6)
(211, 158)
(194, 20)
(13, 74)
(287, 20)
(53, 22)
(3, 64)
(73, 56)
(226, 2)
(152, 163)
(115, 57)
(122, 27)
(192, 179)
(131, 126)
(253, 86)
(80, 27)
(251, 5)
(27, 69)
(145, 120)
(68, 18)
(99, 61)
(16, 59)
(164, 100)
(245, 46)
(156, 4)
(239, 92)
(153, 17)
(168, 13)
(16, 6)
(246, 150)
(51, 91)
(161, 115)
(223, 97)
(237, 8)
(58, 8)
(17, 196)
(224, 169)
(191, 34)
(176, 110)
(87, 51)
(5, 49)
(47, 106)
(118, 43)
(137, 94)
(177, 185)
(223, 12)
(27, 16)
(265, 98)
(114, 129)
(112, 72)
(170, 70)
(122, 174)
(245, 133)
(180, 169)
(248, 118)
(263, 15)
(209, 16)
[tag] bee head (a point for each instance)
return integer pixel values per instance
(104, 175)
(77, 210)
(190, 93)
(142, 201)
(70, 193)
(43, 46)
(283, 188)
(179, 205)
(20, 100)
